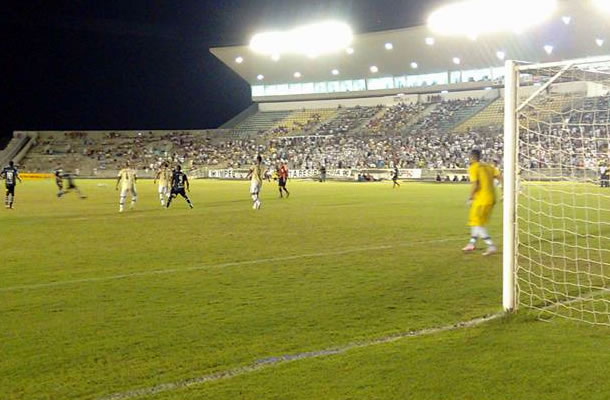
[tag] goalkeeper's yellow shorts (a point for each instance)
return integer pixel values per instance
(479, 214)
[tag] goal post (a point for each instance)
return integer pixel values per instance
(510, 164)
(556, 211)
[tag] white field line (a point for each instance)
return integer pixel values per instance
(272, 361)
(221, 265)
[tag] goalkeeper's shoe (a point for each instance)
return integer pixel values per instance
(490, 250)
(469, 247)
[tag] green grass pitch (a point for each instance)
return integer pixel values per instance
(95, 303)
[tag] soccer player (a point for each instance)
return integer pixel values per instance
(72, 185)
(498, 177)
(482, 200)
(322, 173)
(604, 175)
(59, 181)
(179, 182)
(11, 176)
(256, 182)
(395, 174)
(497, 174)
(127, 179)
(164, 176)
(282, 175)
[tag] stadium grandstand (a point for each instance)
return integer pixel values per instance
(407, 98)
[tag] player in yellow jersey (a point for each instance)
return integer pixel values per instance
(256, 182)
(482, 200)
(164, 176)
(127, 179)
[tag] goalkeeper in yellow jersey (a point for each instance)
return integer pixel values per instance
(482, 200)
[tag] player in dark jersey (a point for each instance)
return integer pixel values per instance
(10, 176)
(395, 174)
(322, 173)
(179, 182)
(71, 185)
(59, 181)
(282, 179)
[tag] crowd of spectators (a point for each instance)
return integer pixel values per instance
(348, 120)
(340, 144)
(445, 112)
(395, 119)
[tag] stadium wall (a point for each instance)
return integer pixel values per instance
(424, 90)
(376, 101)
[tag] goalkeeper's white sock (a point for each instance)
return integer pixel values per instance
(485, 236)
(473, 235)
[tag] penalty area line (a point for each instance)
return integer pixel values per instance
(278, 360)
(220, 265)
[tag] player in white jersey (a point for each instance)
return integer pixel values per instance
(164, 176)
(127, 179)
(256, 182)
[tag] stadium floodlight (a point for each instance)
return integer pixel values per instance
(374, 69)
(260, 77)
(603, 5)
(309, 40)
(335, 72)
(548, 49)
(599, 42)
(239, 60)
(389, 46)
(566, 20)
(414, 65)
(501, 55)
(476, 17)
(430, 41)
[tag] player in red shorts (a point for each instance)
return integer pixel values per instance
(282, 175)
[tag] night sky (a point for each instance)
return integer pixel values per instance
(145, 64)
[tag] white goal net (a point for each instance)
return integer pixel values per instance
(561, 196)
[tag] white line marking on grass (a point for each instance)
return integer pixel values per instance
(221, 265)
(273, 361)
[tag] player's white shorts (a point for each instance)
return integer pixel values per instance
(163, 189)
(131, 190)
(255, 187)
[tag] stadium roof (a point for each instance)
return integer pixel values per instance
(586, 33)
